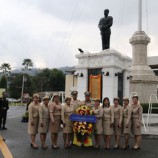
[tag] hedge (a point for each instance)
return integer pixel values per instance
(146, 105)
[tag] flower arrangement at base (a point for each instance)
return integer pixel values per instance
(83, 129)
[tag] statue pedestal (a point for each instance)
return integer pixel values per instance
(108, 61)
(143, 81)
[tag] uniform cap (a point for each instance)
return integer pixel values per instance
(135, 96)
(96, 99)
(74, 93)
(46, 97)
(125, 98)
(36, 95)
(87, 93)
(55, 95)
(67, 98)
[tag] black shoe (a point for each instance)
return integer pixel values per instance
(44, 147)
(136, 148)
(116, 147)
(96, 147)
(125, 147)
(1, 128)
(34, 147)
(4, 128)
(55, 147)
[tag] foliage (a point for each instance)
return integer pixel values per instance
(47, 80)
(5, 67)
(15, 85)
(3, 82)
(146, 106)
(27, 63)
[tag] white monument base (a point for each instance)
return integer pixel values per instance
(109, 61)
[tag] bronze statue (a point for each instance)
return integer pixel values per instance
(104, 26)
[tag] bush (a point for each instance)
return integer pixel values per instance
(146, 106)
(25, 117)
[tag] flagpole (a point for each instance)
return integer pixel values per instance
(139, 15)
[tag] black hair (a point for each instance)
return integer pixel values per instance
(106, 98)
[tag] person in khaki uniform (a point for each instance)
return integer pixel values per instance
(137, 111)
(108, 121)
(67, 110)
(33, 122)
(55, 119)
(117, 121)
(44, 121)
(88, 100)
(126, 121)
(74, 101)
(98, 112)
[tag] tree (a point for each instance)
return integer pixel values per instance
(3, 82)
(5, 68)
(27, 63)
(16, 85)
(49, 80)
(57, 80)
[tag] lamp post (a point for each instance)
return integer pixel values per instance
(22, 91)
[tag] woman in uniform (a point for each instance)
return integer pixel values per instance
(126, 122)
(137, 111)
(108, 121)
(33, 111)
(67, 110)
(55, 119)
(98, 112)
(44, 121)
(117, 122)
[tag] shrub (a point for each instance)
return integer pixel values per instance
(146, 106)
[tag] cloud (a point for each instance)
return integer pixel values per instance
(50, 32)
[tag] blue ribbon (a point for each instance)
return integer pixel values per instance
(80, 118)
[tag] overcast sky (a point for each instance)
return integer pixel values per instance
(50, 31)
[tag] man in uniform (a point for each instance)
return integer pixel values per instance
(88, 100)
(76, 103)
(3, 110)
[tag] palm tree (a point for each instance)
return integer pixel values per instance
(5, 68)
(27, 64)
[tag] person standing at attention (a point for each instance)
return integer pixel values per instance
(137, 111)
(117, 122)
(55, 119)
(67, 110)
(44, 121)
(126, 121)
(33, 111)
(98, 112)
(108, 122)
(4, 106)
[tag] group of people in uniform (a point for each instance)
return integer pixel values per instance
(110, 120)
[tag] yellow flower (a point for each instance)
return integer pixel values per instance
(90, 125)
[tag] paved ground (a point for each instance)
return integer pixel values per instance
(18, 142)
